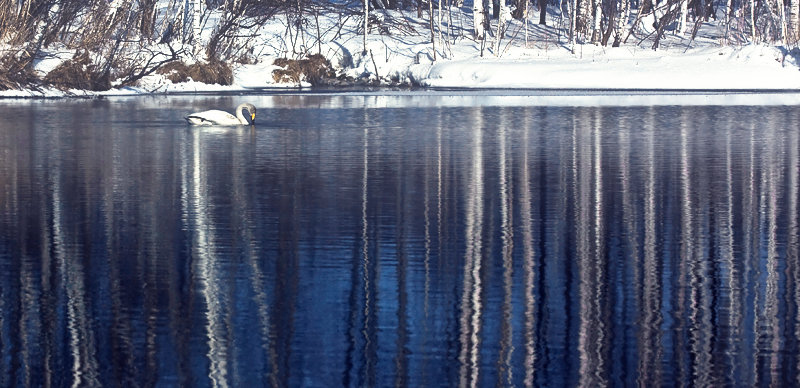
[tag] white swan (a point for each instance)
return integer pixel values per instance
(219, 117)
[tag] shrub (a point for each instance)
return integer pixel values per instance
(315, 69)
(78, 73)
(17, 71)
(215, 72)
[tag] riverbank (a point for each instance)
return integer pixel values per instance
(528, 56)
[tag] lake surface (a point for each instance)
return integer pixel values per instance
(419, 241)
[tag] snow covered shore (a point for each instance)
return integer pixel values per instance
(720, 68)
(539, 61)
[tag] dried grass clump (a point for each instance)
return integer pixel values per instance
(315, 69)
(175, 71)
(17, 71)
(215, 72)
(78, 73)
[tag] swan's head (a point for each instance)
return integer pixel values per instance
(252, 110)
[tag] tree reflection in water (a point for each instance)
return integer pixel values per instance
(348, 244)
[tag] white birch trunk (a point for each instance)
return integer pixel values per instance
(366, 23)
(439, 27)
(782, 16)
(197, 13)
(794, 20)
(752, 4)
(433, 29)
(584, 20)
(479, 19)
(684, 10)
(597, 32)
(181, 20)
(504, 17)
(727, 18)
(622, 19)
(574, 19)
(525, 22)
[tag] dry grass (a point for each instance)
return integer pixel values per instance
(314, 69)
(17, 71)
(78, 73)
(216, 72)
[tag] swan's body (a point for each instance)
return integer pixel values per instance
(219, 117)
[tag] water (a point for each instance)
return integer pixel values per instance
(382, 240)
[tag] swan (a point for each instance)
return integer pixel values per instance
(219, 117)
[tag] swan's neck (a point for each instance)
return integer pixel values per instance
(240, 115)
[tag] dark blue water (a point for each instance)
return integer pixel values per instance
(380, 241)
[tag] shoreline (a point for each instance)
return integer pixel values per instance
(410, 90)
(398, 97)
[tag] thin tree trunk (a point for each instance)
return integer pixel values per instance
(794, 20)
(752, 20)
(542, 11)
(366, 24)
(684, 10)
(197, 13)
(433, 32)
(525, 23)
(622, 22)
(439, 27)
(501, 23)
(597, 32)
(782, 16)
(519, 9)
(584, 18)
(573, 25)
(479, 19)
(726, 11)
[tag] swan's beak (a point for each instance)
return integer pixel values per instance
(253, 118)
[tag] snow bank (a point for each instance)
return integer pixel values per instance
(726, 68)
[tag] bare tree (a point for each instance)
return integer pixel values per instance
(236, 16)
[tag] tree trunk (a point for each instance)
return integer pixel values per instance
(433, 32)
(197, 13)
(519, 9)
(479, 19)
(794, 20)
(502, 17)
(622, 22)
(542, 11)
(366, 25)
(439, 26)
(584, 18)
(610, 27)
(573, 29)
(597, 32)
(726, 12)
(782, 17)
(684, 10)
(752, 4)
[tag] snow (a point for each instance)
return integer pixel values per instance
(540, 61)
(711, 68)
